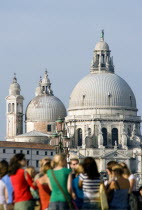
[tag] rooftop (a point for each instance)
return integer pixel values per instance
(26, 145)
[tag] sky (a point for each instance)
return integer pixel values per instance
(60, 35)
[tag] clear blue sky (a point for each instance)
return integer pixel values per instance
(61, 35)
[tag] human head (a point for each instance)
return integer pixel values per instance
(31, 171)
(90, 168)
(16, 162)
(44, 161)
(140, 191)
(110, 164)
(59, 160)
(74, 163)
(46, 167)
(126, 171)
(117, 170)
(79, 169)
(3, 168)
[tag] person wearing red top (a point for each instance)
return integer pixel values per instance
(43, 188)
(21, 183)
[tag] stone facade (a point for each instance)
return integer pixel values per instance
(102, 118)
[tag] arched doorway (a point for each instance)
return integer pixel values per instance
(114, 135)
(79, 137)
(104, 133)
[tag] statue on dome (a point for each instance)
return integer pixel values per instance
(102, 34)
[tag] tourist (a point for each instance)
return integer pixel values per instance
(32, 172)
(128, 175)
(110, 164)
(90, 183)
(75, 182)
(3, 190)
(43, 188)
(60, 183)
(42, 162)
(118, 189)
(140, 199)
(21, 185)
(6, 179)
(74, 161)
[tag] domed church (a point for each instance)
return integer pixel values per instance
(102, 119)
(41, 113)
(102, 116)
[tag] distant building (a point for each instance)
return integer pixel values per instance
(34, 152)
(41, 113)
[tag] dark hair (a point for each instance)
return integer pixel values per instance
(90, 168)
(14, 164)
(111, 164)
(3, 168)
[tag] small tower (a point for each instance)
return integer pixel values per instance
(14, 111)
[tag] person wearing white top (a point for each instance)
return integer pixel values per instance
(3, 195)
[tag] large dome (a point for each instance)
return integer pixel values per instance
(45, 108)
(103, 90)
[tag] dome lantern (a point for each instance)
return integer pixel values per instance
(14, 87)
(102, 62)
(44, 87)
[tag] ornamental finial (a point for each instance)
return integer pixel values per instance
(14, 78)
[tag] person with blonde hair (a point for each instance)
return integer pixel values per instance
(128, 175)
(118, 189)
(31, 171)
(60, 183)
(42, 162)
(75, 185)
(43, 188)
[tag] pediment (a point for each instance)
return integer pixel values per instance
(115, 155)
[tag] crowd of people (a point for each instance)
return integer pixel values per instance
(58, 187)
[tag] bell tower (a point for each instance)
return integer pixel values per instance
(14, 111)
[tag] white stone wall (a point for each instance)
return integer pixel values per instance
(32, 155)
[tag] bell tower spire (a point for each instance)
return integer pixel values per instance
(14, 111)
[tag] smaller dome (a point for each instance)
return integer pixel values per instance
(14, 88)
(102, 45)
(45, 108)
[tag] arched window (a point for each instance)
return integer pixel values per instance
(114, 135)
(104, 133)
(13, 107)
(19, 107)
(9, 107)
(89, 131)
(79, 137)
(129, 131)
